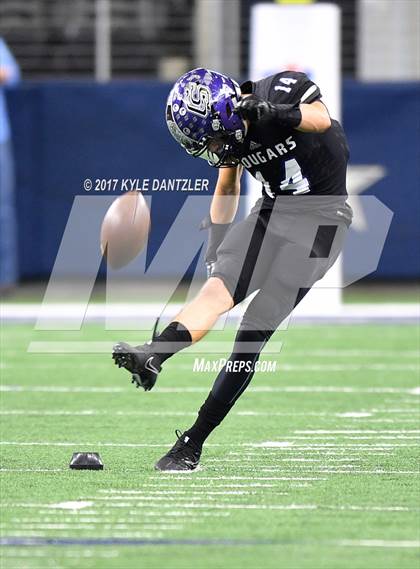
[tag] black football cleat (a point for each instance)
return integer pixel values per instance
(140, 361)
(183, 456)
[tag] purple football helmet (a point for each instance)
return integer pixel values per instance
(200, 116)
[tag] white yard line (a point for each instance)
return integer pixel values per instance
(98, 412)
(288, 352)
(188, 366)
(32, 552)
(59, 389)
(151, 494)
(256, 389)
(376, 543)
(79, 444)
(165, 483)
(328, 459)
(283, 367)
(350, 437)
(393, 421)
(108, 515)
(92, 527)
(352, 353)
(327, 454)
(400, 410)
(375, 508)
(348, 471)
(284, 445)
(355, 432)
(33, 470)
(365, 417)
(95, 412)
(320, 446)
(228, 506)
(122, 494)
(152, 534)
(182, 512)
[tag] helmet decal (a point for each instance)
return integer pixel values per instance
(197, 98)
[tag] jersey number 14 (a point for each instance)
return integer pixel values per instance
(293, 180)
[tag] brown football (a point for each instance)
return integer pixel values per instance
(125, 229)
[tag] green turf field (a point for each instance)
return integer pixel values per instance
(316, 467)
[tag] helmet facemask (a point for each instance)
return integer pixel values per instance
(223, 149)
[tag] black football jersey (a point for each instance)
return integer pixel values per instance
(285, 160)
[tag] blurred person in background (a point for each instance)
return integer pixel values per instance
(9, 76)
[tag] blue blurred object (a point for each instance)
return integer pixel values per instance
(9, 76)
(381, 123)
(67, 132)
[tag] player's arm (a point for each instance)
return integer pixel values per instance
(226, 195)
(312, 117)
(222, 210)
(315, 117)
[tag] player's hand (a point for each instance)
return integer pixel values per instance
(252, 108)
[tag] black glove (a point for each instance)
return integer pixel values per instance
(254, 109)
(217, 232)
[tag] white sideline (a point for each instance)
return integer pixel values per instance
(142, 311)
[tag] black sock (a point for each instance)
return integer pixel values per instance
(174, 338)
(238, 371)
(230, 383)
(209, 417)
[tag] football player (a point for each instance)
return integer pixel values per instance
(279, 130)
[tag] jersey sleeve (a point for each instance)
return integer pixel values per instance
(293, 87)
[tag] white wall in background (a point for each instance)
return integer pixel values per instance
(303, 38)
(388, 46)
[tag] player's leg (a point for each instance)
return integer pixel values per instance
(243, 260)
(287, 283)
(239, 270)
(232, 380)
(280, 293)
(192, 323)
(200, 315)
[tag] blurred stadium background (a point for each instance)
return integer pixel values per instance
(341, 411)
(95, 75)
